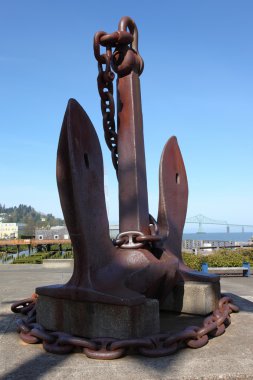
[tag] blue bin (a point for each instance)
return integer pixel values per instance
(205, 267)
(246, 265)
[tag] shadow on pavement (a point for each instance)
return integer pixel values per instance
(34, 368)
(243, 303)
(43, 363)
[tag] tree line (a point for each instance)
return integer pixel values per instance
(28, 216)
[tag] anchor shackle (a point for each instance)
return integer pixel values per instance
(122, 35)
(126, 59)
(125, 23)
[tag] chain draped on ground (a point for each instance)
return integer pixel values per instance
(158, 345)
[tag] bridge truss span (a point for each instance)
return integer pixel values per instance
(202, 219)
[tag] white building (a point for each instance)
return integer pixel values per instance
(53, 233)
(207, 244)
(8, 230)
(61, 232)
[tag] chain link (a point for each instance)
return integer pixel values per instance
(137, 239)
(105, 88)
(110, 348)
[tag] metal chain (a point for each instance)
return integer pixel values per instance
(137, 239)
(120, 40)
(105, 89)
(109, 348)
(126, 49)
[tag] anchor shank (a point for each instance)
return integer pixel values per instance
(133, 197)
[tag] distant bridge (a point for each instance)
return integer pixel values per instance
(201, 219)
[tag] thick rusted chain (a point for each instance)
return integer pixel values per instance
(123, 60)
(24, 306)
(162, 344)
(136, 239)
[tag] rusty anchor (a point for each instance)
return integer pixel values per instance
(145, 260)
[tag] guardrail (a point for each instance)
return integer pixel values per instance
(33, 242)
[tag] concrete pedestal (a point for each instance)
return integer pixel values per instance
(92, 320)
(193, 298)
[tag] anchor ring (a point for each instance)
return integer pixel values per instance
(126, 239)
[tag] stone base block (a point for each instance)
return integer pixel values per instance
(193, 298)
(92, 320)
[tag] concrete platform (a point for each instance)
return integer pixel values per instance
(229, 356)
(93, 320)
(193, 298)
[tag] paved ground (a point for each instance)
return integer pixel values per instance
(229, 356)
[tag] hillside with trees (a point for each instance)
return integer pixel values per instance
(28, 216)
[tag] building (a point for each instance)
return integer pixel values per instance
(114, 230)
(61, 233)
(206, 244)
(191, 244)
(2, 216)
(21, 229)
(53, 233)
(8, 230)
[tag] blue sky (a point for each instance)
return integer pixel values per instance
(197, 84)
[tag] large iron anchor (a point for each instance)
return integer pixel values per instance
(147, 260)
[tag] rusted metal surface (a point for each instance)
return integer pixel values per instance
(158, 345)
(127, 147)
(173, 200)
(133, 194)
(81, 188)
(124, 274)
(173, 197)
(101, 271)
(145, 260)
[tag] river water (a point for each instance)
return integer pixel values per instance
(222, 236)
